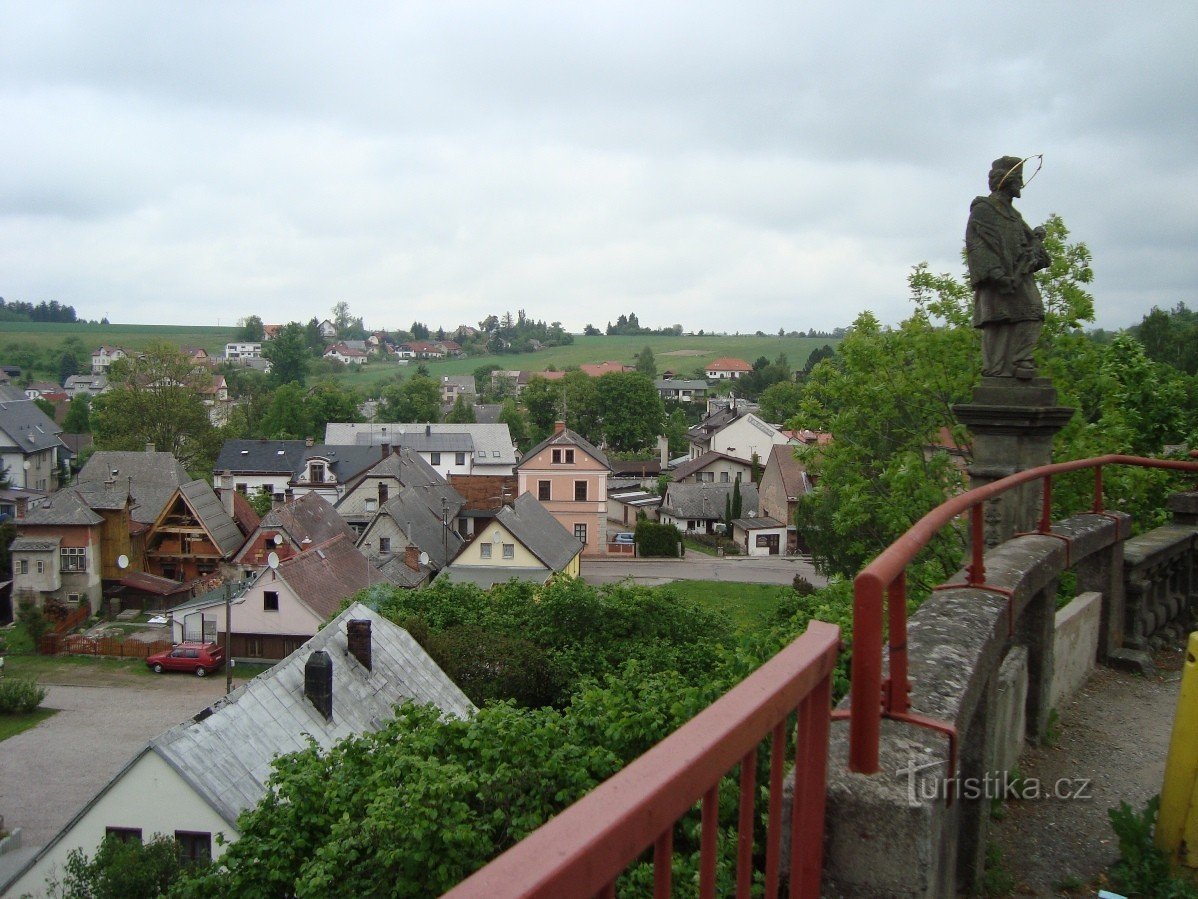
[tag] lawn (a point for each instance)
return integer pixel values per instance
(11, 725)
(73, 669)
(750, 606)
(43, 335)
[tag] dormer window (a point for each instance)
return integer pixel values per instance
(316, 472)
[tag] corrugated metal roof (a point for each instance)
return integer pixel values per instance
(227, 756)
(211, 513)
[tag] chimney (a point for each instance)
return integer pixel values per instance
(558, 427)
(308, 441)
(318, 682)
(663, 450)
(386, 450)
(411, 556)
(428, 430)
(226, 497)
(149, 447)
(357, 632)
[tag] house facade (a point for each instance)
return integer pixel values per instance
(194, 779)
(192, 536)
(568, 476)
(727, 368)
(103, 358)
(30, 447)
(243, 350)
(759, 536)
(783, 483)
(701, 508)
(57, 552)
(346, 355)
(680, 390)
(735, 432)
(713, 468)
(523, 541)
(494, 453)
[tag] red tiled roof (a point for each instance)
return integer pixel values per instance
(327, 573)
(727, 363)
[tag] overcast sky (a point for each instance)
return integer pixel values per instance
(733, 166)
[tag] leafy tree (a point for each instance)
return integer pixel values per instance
(67, 365)
(155, 398)
(46, 406)
(780, 401)
(288, 354)
(584, 411)
(252, 329)
(262, 501)
(415, 400)
(517, 423)
(460, 412)
(123, 869)
(313, 339)
(633, 413)
(419, 331)
(543, 400)
(330, 401)
(591, 331)
(287, 416)
(646, 364)
(482, 380)
(78, 417)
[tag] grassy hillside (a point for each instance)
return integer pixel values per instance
(43, 335)
(684, 355)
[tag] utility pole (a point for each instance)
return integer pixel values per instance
(228, 632)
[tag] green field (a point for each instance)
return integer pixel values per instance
(749, 606)
(683, 355)
(44, 335)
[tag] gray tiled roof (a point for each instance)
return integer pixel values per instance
(488, 438)
(152, 478)
(704, 501)
(541, 533)
(417, 512)
(226, 756)
(27, 427)
(212, 515)
(65, 507)
(436, 443)
(35, 545)
(282, 457)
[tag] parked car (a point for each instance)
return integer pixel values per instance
(202, 658)
(624, 537)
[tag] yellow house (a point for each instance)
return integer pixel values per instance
(524, 541)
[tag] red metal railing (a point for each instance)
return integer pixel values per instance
(583, 850)
(880, 589)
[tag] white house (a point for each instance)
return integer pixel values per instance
(248, 350)
(346, 355)
(104, 357)
(489, 446)
(193, 780)
(734, 432)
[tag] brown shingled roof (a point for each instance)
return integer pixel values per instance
(328, 573)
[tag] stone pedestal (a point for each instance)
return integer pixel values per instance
(1012, 423)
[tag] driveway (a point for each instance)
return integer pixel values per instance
(49, 772)
(699, 567)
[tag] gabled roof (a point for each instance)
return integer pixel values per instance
(226, 756)
(705, 501)
(345, 462)
(210, 513)
(310, 516)
(246, 518)
(152, 478)
(793, 472)
(327, 573)
(541, 533)
(728, 363)
(105, 496)
(64, 508)
(27, 428)
(566, 437)
(405, 465)
(417, 512)
(686, 469)
(598, 369)
(679, 384)
(757, 523)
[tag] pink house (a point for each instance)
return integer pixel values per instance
(568, 476)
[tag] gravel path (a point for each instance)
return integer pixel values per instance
(1115, 733)
(48, 772)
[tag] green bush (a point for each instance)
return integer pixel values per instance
(20, 696)
(654, 539)
(31, 617)
(123, 869)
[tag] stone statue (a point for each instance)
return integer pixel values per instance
(1003, 254)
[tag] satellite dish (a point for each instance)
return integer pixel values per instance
(272, 561)
(424, 558)
(122, 561)
(278, 539)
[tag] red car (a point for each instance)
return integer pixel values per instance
(202, 658)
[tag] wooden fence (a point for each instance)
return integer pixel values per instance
(111, 647)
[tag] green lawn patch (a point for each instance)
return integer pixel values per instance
(11, 725)
(749, 606)
(71, 669)
(695, 546)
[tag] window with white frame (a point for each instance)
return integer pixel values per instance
(73, 558)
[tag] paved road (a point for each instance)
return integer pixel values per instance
(699, 567)
(49, 772)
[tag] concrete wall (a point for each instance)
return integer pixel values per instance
(1075, 646)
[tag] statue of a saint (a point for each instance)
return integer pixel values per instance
(1003, 254)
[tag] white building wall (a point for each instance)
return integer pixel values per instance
(149, 795)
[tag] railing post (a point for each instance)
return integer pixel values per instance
(977, 546)
(865, 726)
(897, 693)
(1046, 506)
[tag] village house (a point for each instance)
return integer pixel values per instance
(493, 451)
(288, 529)
(568, 476)
(419, 522)
(453, 386)
(243, 350)
(345, 354)
(103, 357)
(783, 483)
(680, 390)
(193, 780)
(735, 431)
(713, 468)
(30, 448)
(57, 553)
(85, 385)
(403, 467)
(727, 368)
(192, 536)
(700, 508)
(759, 536)
(524, 541)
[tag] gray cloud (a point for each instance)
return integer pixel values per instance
(727, 167)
